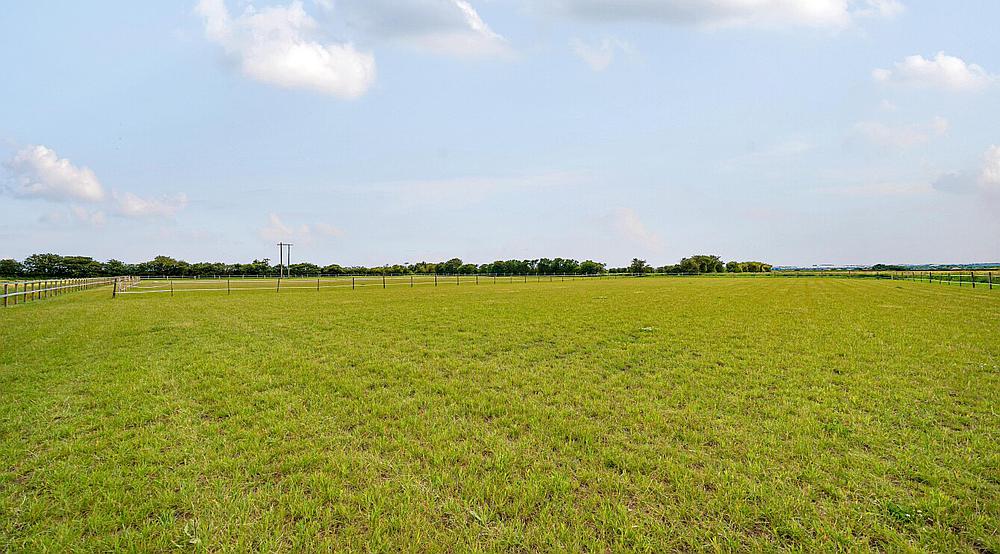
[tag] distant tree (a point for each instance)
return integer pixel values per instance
(44, 265)
(204, 269)
(689, 265)
(702, 264)
(10, 268)
(450, 267)
(639, 266)
(590, 267)
(304, 268)
(115, 267)
(80, 266)
(259, 267)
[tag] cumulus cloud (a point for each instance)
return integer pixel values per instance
(305, 233)
(629, 226)
(599, 55)
(942, 71)
(131, 205)
(278, 45)
(732, 13)
(447, 27)
(985, 179)
(901, 136)
(39, 172)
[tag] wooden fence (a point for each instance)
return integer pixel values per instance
(19, 292)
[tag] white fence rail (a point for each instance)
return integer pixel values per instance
(171, 285)
(19, 292)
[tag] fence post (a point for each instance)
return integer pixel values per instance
(317, 284)
(5, 295)
(972, 275)
(229, 289)
(435, 279)
(114, 291)
(383, 280)
(411, 280)
(171, 287)
(352, 282)
(477, 278)
(277, 287)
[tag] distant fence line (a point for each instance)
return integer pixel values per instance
(962, 278)
(171, 285)
(19, 292)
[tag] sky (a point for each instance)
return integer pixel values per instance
(389, 131)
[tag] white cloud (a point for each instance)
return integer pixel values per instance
(903, 136)
(600, 55)
(628, 225)
(305, 233)
(942, 71)
(781, 152)
(276, 45)
(131, 205)
(447, 27)
(985, 179)
(733, 13)
(38, 171)
(75, 215)
(879, 189)
(989, 176)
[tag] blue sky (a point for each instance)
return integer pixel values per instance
(384, 131)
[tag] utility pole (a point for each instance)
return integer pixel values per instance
(281, 257)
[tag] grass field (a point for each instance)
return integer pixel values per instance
(634, 414)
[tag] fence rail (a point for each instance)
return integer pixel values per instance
(172, 285)
(19, 292)
(228, 285)
(16, 292)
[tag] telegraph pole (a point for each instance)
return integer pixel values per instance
(281, 257)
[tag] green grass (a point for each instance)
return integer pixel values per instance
(635, 414)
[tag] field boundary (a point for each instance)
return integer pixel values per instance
(171, 285)
(228, 285)
(20, 292)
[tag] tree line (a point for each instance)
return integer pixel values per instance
(695, 265)
(54, 265)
